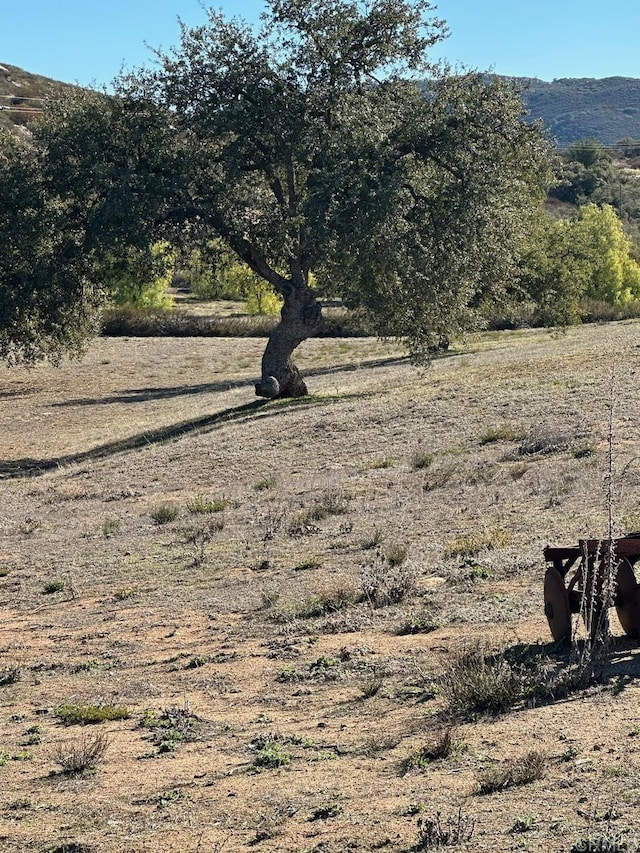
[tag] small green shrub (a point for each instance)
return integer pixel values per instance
(272, 755)
(261, 298)
(327, 812)
(171, 727)
(382, 462)
(53, 586)
(70, 714)
(164, 514)
(310, 562)
(522, 825)
(9, 675)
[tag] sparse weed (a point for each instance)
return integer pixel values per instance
(504, 432)
(70, 714)
(331, 502)
(470, 546)
(327, 812)
(480, 682)
(523, 824)
(164, 514)
(373, 540)
(203, 506)
(111, 526)
(199, 537)
(421, 460)
(438, 747)
(124, 594)
(518, 470)
(269, 481)
(332, 598)
(436, 832)
(311, 562)
(371, 687)
(377, 744)
(440, 474)
(383, 583)
(269, 598)
(422, 621)
(513, 773)
(382, 462)
(544, 443)
(167, 798)
(4, 572)
(81, 755)
(33, 736)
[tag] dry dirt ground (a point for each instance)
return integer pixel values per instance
(212, 569)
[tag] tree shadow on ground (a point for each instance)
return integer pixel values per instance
(145, 395)
(249, 412)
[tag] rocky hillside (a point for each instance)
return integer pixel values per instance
(22, 96)
(572, 109)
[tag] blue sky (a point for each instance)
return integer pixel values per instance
(89, 42)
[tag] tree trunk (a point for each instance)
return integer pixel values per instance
(299, 320)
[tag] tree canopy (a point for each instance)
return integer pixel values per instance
(323, 143)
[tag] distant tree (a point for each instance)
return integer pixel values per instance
(585, 173)
(627, 148)
(587, 256)
(310, 147)
(139, 277)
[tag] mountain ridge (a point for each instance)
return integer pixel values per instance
(572, 108)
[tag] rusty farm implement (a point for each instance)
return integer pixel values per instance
(588, 578)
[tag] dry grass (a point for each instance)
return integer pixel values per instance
(280, 615)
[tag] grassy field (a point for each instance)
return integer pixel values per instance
(231, 624)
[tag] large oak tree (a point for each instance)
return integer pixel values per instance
(323, 143)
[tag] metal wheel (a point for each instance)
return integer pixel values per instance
(556, 605)
(625, 599)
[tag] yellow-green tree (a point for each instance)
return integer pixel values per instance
(141, 277)
(586, 257)
(614, 276)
